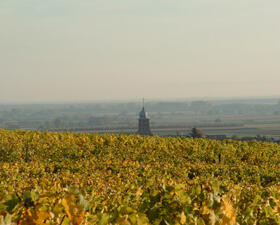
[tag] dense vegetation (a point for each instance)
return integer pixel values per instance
(67, 178)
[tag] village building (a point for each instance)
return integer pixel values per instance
(144, 123)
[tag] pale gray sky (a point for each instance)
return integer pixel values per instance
(72, 50)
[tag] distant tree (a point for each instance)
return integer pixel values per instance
(197, 133)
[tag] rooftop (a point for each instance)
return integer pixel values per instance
(143, 114)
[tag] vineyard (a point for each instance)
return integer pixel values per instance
(75, 179)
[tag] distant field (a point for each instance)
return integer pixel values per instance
(251, 130)
(268, 125)
(267, 129)
(229, 117)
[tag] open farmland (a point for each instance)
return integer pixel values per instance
(68, 178)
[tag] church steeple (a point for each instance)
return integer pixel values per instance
(144, 122)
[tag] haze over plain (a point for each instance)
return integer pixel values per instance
(70, 50)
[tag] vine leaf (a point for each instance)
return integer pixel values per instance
(74, 211)
(32, 217)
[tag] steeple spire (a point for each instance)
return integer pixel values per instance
(144, 121)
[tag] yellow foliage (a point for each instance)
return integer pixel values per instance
(32, 217)
(74, 211)
(228, 214)
(137, 173)
(183, 218)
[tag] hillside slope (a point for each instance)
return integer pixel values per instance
(64, 178)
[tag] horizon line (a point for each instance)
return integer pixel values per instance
(98, 101)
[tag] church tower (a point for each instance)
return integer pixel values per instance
(144, 123)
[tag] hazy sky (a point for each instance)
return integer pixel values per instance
(72, 50)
